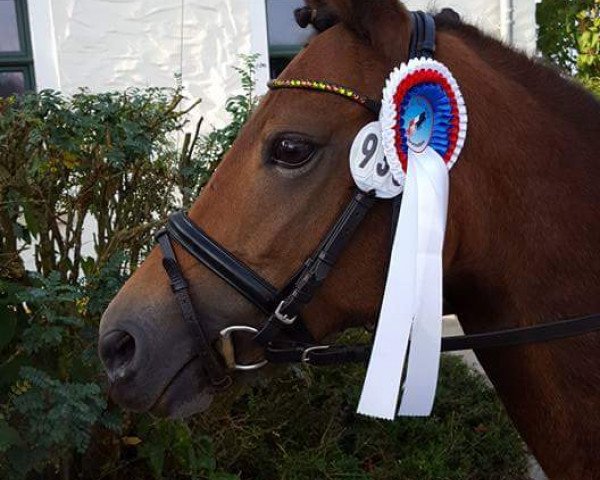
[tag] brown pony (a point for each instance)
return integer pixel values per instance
(522, 245)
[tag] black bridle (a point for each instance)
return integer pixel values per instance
(284, 306)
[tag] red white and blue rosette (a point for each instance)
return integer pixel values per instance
(422, 108)
(423, 124)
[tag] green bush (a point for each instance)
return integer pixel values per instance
(103, 157)
(569, 37)
(303, 426)
(113, 159)
(110, 159)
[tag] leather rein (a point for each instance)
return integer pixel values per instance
(283, 307)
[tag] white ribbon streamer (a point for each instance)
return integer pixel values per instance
(412, 299)
(380, 392)
(425, 341)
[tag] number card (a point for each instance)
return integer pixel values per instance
(369, 167)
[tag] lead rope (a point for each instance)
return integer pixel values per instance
(325, 355)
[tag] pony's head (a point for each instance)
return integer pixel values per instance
(270, 203)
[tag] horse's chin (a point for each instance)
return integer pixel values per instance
(175, 406)
(185, 395)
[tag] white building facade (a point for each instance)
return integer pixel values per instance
(116, 44)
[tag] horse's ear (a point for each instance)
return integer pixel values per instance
(385, 23)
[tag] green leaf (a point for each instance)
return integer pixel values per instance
(8, 326)
(585, 39)
(223, 476)
(9, 372)
(31, 219)
(8, 436)
(88, 265)
(155, 455)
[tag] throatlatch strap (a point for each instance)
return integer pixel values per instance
(210, 363)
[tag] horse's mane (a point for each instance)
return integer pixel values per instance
(558, 93)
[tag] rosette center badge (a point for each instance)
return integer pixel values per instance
(423, 110)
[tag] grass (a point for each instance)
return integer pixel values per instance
(303, 426)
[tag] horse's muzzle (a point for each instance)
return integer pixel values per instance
(151, 364)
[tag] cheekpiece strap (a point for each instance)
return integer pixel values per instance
(180, 287)
(422, 41)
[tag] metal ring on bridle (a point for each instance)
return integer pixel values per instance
(226, 338)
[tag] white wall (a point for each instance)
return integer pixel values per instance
(43, 39)
(525, 25)
(115, 44)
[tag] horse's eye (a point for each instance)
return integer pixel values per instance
(292, 152)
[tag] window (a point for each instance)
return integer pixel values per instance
(16, 59)
(286, 38)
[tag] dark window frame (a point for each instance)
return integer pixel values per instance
(21, 61)
(279, 56)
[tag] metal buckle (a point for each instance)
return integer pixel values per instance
(160, 233)
(282, 317)
(228, 347)
(305, 354)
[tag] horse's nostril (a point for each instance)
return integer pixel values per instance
(117, 350)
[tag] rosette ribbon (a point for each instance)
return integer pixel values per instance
(424, 122)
